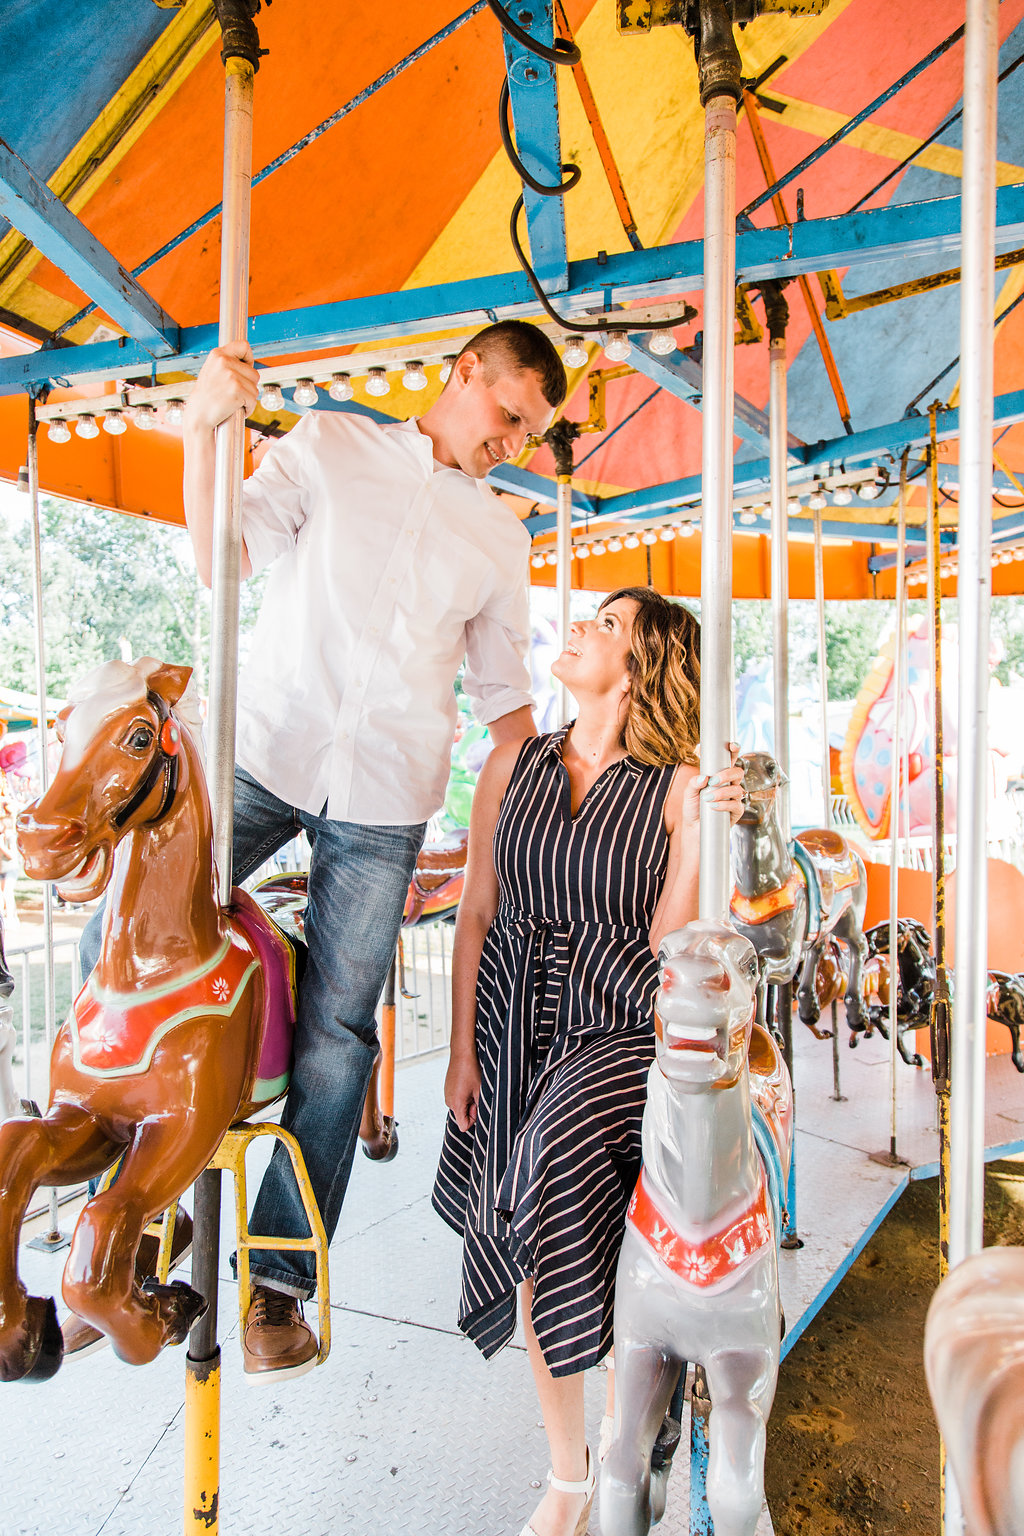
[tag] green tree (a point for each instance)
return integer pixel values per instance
(111, 584)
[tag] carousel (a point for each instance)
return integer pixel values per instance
(779, 245)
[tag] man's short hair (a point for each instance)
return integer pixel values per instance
(513, 346)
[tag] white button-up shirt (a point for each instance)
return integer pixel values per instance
(388, 569)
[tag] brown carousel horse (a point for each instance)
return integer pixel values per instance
(797, 902)
(183, 1027)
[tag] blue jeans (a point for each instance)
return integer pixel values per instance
(358, 879)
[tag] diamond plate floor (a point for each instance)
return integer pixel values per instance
(406, 1427)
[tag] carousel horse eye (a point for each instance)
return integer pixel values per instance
(141, 738)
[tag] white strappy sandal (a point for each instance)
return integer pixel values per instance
(586, 1487)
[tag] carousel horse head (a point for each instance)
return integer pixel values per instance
(705, 1006)
(762, 778)
(121, 767)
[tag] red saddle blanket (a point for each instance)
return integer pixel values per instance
(115, 1034)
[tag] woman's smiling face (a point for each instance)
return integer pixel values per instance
(596, 658)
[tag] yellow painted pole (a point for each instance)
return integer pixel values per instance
(202, 1444)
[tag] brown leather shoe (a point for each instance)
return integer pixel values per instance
(277, 1342)
(80, 1337)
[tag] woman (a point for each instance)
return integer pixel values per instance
(582, 854)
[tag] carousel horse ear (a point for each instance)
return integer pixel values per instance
(62, 720)
(169, 682)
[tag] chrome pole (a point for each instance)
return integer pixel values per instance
(778, 442)
(53, 1238)
(230, 451)
(896, 762)
(977, 301)
(716, 514)
(819, 604)
(563, 577)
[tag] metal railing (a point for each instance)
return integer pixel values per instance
(423, 1024)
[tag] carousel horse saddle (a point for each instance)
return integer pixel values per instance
(116, 1034)
(771, 1097)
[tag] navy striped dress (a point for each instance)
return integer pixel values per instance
(564, 1037)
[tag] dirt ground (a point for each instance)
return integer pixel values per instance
(852, 1444)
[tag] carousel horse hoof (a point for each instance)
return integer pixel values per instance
(41, 1346)
(187, 1306)
(384, 1147)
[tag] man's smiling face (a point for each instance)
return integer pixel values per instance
(490, 421)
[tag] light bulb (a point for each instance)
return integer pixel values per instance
(842, 495)
(581, 551)
(615, 545)
(551, 559)
(377, 382)
(304, 392)
(649, 536)
(666, 534)
(598, 547)
(271, 397)
(114, 423)
(662, 343)
(794, 506)
(174, 413)
(748, 516)
(145, 417)
(446, 367)
(341, 387)
(414, 377)
(58, 431)
(868, 490)
(575, 354)
(1018, 554)
(537, 561)
(817, 500)
(686, 530)
(86, 426)
(631, 541)
(617, 347)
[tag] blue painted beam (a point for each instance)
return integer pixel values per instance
(533, 95)
(922, 230)
(683, 377)
(752, 475)
(28, 204)
(524, 482)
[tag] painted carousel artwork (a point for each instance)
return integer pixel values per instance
(184, 1027)
(698, 1272)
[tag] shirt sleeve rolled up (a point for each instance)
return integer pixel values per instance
(274, 501)
(497, 678)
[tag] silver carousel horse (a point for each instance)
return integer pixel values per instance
(800, 904)
(698, 1275)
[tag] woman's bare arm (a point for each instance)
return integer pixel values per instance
(476, 913)
(678, 903)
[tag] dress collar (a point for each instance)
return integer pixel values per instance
(553, 748)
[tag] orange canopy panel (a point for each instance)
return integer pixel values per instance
(398, 181)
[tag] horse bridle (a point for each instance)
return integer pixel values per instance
(165, 761)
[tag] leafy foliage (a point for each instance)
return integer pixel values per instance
(112, 585)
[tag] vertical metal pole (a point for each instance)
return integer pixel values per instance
(53, 1238)
(967, 1105)
(563, 577)
(716, 513)
(778, 439)
(202, 1386)
(894, 793)
(819, 603)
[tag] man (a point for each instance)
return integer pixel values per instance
(391, 562)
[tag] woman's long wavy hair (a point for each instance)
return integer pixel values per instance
(662, 723)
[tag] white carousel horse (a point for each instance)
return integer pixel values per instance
(698, 1273)
(974, 1362)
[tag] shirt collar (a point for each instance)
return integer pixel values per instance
(425, 448)
(553, 748)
